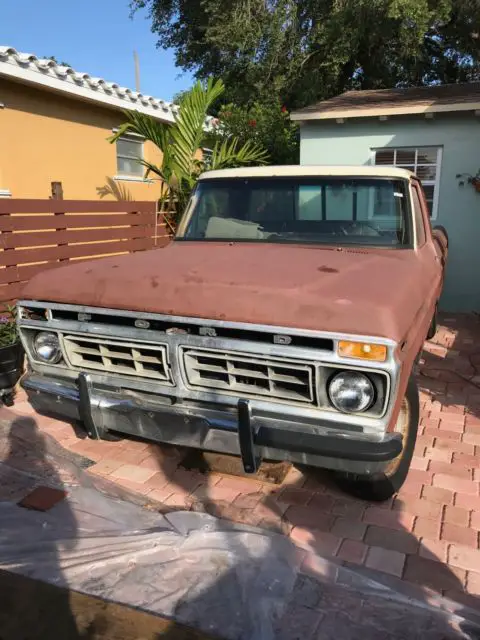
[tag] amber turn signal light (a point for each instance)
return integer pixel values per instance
(362, 350)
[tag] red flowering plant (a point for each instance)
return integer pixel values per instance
(8, 327)
(268, 124)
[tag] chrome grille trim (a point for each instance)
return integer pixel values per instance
(294, 331)
(183, 392)
(254, 375)
(118, 357)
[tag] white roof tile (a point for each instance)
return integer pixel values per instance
(27, 68)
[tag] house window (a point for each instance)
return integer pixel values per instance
(423, 161)
(129, 152)
(207, 157)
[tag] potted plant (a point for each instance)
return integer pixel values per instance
(11, 355)
(469, 179)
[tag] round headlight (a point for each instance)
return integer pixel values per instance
(47, 347)
(351, 392)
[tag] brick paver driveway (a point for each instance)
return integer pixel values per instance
(427, 535)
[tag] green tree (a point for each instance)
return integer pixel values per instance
(299, 51)
(268, 124)
(181, 141)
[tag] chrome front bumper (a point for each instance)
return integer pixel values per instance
(210, 426)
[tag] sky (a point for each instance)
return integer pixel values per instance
(97, 37)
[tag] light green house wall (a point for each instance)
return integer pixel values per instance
(326, 142)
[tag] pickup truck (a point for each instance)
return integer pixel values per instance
(282, 322)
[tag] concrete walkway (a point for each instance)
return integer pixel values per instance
(426, 538)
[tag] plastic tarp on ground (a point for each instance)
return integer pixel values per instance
(234, 581)
(224, 579)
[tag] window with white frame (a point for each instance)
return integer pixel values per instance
(207, 157)
(423, 161)
(129, 152)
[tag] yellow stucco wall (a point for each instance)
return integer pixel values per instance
(46, 137)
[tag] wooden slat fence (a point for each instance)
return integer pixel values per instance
(41, 234)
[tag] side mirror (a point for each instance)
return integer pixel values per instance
(440, 236)
(440, 231)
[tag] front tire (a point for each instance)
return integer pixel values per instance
(382, 486)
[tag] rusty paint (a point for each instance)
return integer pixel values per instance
(386, 288)
(325, 269)
(191, 277)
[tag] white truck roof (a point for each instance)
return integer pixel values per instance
(306, 170)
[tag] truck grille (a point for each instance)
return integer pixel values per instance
(120, 357)
(110, 319)
(252, 376)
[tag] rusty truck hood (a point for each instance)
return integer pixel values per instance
(359, 291)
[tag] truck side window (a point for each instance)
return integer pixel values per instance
(418, 215)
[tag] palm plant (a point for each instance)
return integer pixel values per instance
(181, 141)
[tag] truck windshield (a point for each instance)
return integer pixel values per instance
(327, 210)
